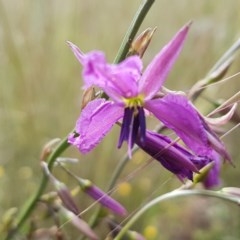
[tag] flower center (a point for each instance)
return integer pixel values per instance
(134, 102)
(134, 123)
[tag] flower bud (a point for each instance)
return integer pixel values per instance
(88, 95)
(80, 224)
(140, 44)
(62, 190)
(103, 198)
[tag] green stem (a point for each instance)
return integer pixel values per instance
(173, 194)
(30, 205)
(133, 29)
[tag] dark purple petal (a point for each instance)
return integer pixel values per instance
(105, 200)
(95, 121)
(171, 155)
(134, 131)
(178, 114)
(126, 125)
(157, 71)
(133, 127)
(142, 124)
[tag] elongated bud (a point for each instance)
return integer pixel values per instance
(47, 148)
(140, 44)
(97, 194)
(62, 190)
(103, 198)
(88, 96)
(80, 224)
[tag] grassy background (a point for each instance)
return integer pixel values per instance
(40, 96)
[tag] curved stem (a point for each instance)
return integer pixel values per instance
(173, 194)
(30, 205)
(132, 30)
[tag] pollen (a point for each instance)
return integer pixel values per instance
(134, 102)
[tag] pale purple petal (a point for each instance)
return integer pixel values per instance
(157, 71)
(95, 121)
(178, 114)
(77, 52)
(117, 80)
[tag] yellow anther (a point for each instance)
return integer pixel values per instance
(134, 102)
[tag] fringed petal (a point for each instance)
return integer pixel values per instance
(95, 121)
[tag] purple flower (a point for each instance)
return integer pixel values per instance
(132, 92)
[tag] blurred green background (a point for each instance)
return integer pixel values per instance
(40, 97)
